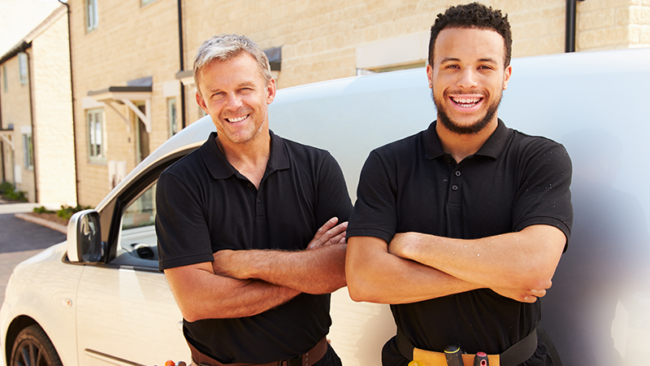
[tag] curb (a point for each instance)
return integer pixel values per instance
(39, 221)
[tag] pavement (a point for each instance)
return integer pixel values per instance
(20, 239)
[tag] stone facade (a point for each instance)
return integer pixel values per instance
(45, 116)
(16, 114)
(320, 41)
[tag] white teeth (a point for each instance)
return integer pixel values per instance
(466, 102)
(238, 119)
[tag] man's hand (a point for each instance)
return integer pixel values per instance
(399, 245)
(228, 263)
(529, 296)
(330, 233)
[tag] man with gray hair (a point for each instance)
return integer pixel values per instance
(247, 224)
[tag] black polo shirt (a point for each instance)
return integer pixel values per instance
(205, 205)
(513, 181)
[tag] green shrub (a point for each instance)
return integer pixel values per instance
(42, 209)
(6, 187)
(7, 190)
(66, 212)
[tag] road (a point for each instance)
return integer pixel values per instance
(20, 240)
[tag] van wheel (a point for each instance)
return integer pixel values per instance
(32, 347)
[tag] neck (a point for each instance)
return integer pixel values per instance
(249, 158)
(460, 146)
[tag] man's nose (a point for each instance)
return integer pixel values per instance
(467, 79)
(233, 101)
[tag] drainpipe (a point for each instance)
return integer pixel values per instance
(74, 124)
(570, 33)
(2, 144)
(31, 117)
(182, 58)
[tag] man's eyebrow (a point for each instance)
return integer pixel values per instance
(454, 59)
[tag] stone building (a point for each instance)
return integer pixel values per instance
(132, 60)
(36, 134)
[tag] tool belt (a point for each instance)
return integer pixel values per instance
(309, 358)
(516, 354)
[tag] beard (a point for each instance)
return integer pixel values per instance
(473, 128)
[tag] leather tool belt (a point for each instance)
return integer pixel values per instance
(516, 354)
(311, 357)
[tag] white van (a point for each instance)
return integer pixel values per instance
(99, 299)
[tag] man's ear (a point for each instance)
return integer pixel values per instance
(270, 91)
(201, 102)
(430, 76)
(506, 76)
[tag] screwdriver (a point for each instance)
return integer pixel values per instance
(453, 355)
(481, 359)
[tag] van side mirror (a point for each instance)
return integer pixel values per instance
(84, 238)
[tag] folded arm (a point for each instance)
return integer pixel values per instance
(375, 275)
(317, 270)
(518, 265)
(201, 294)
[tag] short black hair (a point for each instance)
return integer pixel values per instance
(469, 16)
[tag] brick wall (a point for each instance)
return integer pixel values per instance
(130, 42)
(612, 24)
(15, 110)
(53, 136)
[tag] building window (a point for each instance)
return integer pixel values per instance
(96, 148)
(4, 78)
(28, 151)
(22, 67)
(146, 2)
(172, 114)
(91, 15)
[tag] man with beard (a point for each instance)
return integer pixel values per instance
(461, 226)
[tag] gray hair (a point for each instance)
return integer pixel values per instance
(225, 47)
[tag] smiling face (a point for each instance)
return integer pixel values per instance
(468, 77)
(236, 95)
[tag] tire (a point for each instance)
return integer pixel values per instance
(32, 347)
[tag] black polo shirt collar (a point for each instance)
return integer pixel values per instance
(219, 167)
(492, 146)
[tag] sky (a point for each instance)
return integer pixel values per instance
(19, 17)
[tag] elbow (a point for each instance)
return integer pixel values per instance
(191, 315)
(359, 290)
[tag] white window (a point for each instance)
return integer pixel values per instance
(28, 151)
(96, 148)
(22, 67)
(146, 2)
(91, 15)
(172, 114)
(4, 77)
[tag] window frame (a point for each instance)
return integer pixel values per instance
(99, 156)
(92, 15)
(5, 84)
(172, 116)
(28, 151)
(23, 68)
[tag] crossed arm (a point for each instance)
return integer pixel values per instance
(417, 267)
(249, 282)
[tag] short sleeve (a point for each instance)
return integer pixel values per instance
(544, 197)
(375, 212)
(333, 197)
(183, 235)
